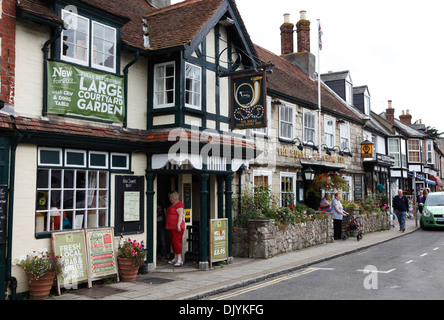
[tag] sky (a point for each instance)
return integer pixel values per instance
(394, 47)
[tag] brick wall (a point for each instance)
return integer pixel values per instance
(7, 52)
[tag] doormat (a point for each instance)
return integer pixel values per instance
(99, 292)
(155, 280)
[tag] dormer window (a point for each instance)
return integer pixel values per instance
(88, 43)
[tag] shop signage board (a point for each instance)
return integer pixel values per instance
(71, 247)
(248, 101)
(82, 92)
(102, 260)
(218, 240)
(87, 255)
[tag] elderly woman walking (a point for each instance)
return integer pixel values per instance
(175, 225)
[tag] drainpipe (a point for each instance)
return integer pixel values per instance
(12, 280)
(125, 79)
(45, 50)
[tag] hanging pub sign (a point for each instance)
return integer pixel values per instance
(367, 149)
(248, 101)
(81, 92)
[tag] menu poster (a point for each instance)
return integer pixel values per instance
(218, 240)
(101, 253)
(71, 247)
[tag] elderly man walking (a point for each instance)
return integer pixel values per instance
(401, 205)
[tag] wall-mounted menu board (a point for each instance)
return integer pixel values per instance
(129, 204)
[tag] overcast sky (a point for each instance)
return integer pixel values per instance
(393, 47)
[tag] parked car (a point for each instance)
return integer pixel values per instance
(433, 213)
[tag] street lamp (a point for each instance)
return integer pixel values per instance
(309, 174)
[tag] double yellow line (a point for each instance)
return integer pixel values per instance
(264, 284)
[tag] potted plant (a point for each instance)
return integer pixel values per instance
(41, 267)
(130, 256)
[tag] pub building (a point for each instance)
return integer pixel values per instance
(300, 136)
(113, 104)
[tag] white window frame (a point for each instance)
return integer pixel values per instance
(414, 154)
(193, 105)
(119, 155)
(101, 153)
(344, 133)
(98, 66)
(72, 26)
(290, 175)
(83, 152)
(89, 45)
(59, 151)
(430, 152)
(395, 154)
(307, 128)
(286, 120)
(329, 134)
(164, 90)
(263, 173)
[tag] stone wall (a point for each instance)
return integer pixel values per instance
(263, 239)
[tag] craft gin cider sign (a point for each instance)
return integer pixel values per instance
(81, 92)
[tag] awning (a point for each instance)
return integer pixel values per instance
(422, 178)
(436, 179)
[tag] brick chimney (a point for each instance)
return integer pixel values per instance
(287, 27)
(390, 113)
(303, 32)
(406, 118)
(7, 51)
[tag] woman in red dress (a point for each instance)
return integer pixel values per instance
(175, 225)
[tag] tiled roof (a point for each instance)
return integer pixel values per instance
(178, 24)
(290, 80)
(13, 125)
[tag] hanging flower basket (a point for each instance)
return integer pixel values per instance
(327, 182)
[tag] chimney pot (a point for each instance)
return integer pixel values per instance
(390, 113)
(303, 31)
(286, 18)
(287, 42)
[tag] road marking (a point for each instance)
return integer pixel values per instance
(410, 261)
(265, 284)
(377, 271)
(424, 254)
(437, 248)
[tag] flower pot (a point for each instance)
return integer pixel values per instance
(39, 288)
(128, 272)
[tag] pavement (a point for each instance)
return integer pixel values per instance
(167, 282)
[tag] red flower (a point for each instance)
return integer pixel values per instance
(291, 207)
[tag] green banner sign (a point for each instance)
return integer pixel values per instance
(81, 92)
(248, 101)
